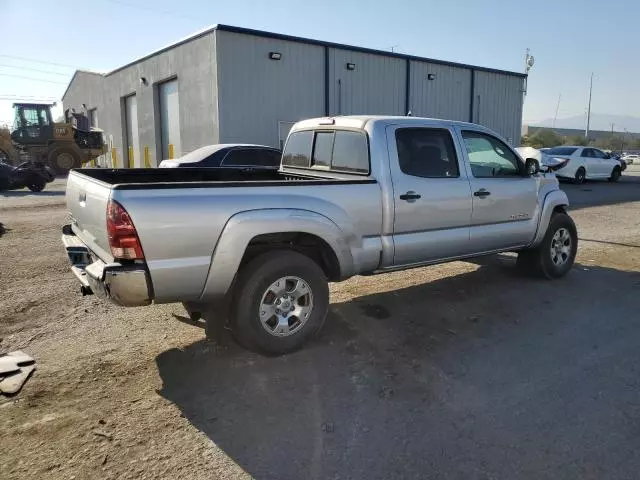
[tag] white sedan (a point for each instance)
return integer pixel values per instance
(586, 163)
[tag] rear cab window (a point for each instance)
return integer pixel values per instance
(334, 150)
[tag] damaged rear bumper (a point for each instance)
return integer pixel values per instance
(126, 285)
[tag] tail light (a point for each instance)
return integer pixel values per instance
(123, 238)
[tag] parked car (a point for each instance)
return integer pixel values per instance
(354, 195)
(587, 163)
(233, 155)
(31, 175)
(631, 158)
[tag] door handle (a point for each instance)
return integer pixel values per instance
(410, 195)
(481, 193)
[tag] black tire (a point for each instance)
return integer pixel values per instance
(615, 174)
(63, 159)
(37, 185)
(581, 175)
(539, 261)
(252, 285)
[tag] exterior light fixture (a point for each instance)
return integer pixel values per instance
(431, 76)
(275, 55)
(351, 66)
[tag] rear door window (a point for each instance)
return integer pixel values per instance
(426, 152)
(237, 157)
(267, 158)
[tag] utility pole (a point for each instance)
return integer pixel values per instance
(557, 108)
(612, 125)
(586, 132)
(528, 63)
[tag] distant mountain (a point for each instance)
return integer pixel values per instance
(599, 121)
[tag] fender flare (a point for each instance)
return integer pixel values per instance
(554, 199)
(241, 228)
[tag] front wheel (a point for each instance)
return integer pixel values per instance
(615, 175)
(555, 255)
(280, 302)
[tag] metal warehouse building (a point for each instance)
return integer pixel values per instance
(230, 84)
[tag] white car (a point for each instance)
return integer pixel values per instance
(631, 159)
(586, 163)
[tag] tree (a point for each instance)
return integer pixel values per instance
(577, 140)
(543, 138)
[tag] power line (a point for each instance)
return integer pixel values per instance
(39, 61)
(35, 70)
(32, 78)
(153, 10)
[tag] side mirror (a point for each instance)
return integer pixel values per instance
(531, 166)
(607, 155)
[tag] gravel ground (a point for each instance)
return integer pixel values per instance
(463, 370)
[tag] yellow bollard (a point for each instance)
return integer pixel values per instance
(147, 162)
(114, 158)
(131, 162)
(171, 151)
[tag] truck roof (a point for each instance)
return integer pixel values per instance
(359, 121)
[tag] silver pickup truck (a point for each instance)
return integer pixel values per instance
(354, 196)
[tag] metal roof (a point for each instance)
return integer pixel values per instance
(309, 41)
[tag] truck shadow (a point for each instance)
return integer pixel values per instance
(29, 193)
(451, 377)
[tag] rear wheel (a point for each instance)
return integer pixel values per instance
(580, 177)
(555, 255)
(36, 185)
(615, 175)
(64, 159)
(280, 302)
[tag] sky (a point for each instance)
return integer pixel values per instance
(570, 39)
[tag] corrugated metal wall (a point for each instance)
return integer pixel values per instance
(498, 103)
(447, 96)
(376, 86)
(191, 63)
(255, 92)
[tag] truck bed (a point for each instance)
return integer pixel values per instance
(148, 178)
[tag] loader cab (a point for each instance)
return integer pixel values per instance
(33, 124)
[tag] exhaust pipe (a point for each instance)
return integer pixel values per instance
(86, 291)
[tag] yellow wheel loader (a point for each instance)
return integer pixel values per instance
(35, 137)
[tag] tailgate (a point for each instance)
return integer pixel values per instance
(87, 202)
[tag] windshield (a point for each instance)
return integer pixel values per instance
(561, 151)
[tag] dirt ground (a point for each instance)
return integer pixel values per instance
(463, 370)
